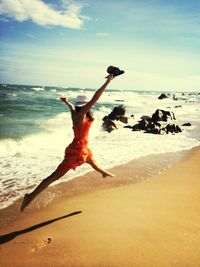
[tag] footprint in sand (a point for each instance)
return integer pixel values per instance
(41, 244)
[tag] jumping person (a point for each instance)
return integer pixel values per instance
(77, 152)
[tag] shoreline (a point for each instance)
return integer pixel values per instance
(140, 169)
(151, 223)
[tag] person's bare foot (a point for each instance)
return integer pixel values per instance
(25, 202)
(106, 174)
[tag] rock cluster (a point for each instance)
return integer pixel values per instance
(161, 121)
(118, 114)
(158, 123)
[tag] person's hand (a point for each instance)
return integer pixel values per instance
(63, 98)
(110, 77)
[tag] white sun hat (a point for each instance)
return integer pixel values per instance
(81, 100)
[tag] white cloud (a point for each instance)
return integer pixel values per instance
(43, 14)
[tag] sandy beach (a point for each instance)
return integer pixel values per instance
(152, 223)
(111, 86)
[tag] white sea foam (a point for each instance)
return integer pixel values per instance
(38, 88)
(25, 162)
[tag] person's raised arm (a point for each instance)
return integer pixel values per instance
(69, 104)
(96, 96)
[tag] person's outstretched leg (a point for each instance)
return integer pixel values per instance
(97, 168)
(28, 198)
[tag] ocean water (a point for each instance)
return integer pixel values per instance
(35, 128)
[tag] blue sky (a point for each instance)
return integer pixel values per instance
(71, 43)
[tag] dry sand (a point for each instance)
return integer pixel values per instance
(152, 223)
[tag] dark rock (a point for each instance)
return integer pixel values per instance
(175, 98)
(187, 124)
(108, 125)
(146, 125)
(119, 100)
(128, 127)
(118, 113)
(162, 96)
(136, 127)
(162, 115)
(178, 106)
(123, 119)
(172, 128)
(142, 125)
(145, 117)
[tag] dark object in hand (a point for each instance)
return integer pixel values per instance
(114, 71)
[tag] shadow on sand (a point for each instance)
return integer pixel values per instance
(12, 235)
